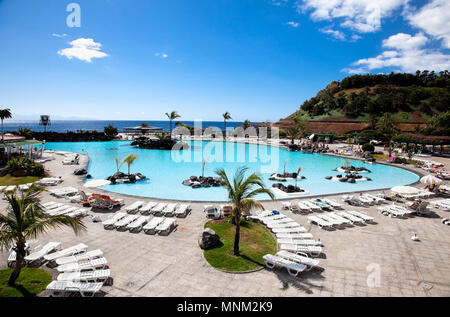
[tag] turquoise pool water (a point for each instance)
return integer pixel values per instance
(166, 170)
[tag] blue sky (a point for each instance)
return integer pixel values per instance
(257, 59)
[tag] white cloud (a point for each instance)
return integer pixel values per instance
(83, 49)
(161, 55)
(434, 19)
(405, 53)
(338, 35)
(59, 35)
(293, 24)
(363, 16)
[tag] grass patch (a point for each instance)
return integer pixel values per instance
(255, 242)
(30, 282)
(9, 180)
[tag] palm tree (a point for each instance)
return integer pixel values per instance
(172, 116)
(118, 165)
(387, 125)
(241, 192)
(4, 114)
(25, 220)
(144, 125)
(226, 116)
(246, 124)
(129, 160)
(292, 132)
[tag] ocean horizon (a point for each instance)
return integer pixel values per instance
(98, 125)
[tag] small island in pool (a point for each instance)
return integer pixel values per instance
(165, 143)
(290, 189)
(203, 182)
(122, 178)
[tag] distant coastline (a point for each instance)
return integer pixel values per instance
(98, 125)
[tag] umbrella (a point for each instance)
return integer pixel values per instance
(431, 180)
(405, 190)
(97, 183)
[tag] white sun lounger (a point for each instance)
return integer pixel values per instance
(98, 263)
(311, 205)
(146, 209)
(320, 222)
(299, 241)
(166, 227)
(169, 211)
(289, 230)
(136, 226)
(109, 224)
(442, 205)
(332, 220)
(377, 199)
(63, 192)
(361, 215)
(261, 214)
(39, 255)
(80, 257)
(338, 218)
(134, 207)
(366, 200)
(294, 269)
(158, 210)
(304, 207)
(391, 211)
(350, 217)
(64, 211)
(86, 276)
(182, 211)
(278, 221)
(124, 222)
(79, 248)
(312, 250)
(332, 203)
(274, 225)
(310, 263)
(306, 235)
(85, 289)
(49, 204)
(150, 227)
(272, 218)
(77, 213)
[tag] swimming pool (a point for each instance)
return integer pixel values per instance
(166, 170)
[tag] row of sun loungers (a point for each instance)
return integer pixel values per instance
(442, 204)
(311, 205)
(159, 209)
(57, 209)
(395, 211)
(84, 272)
(50, 181)
(135, 223)
(332, 219)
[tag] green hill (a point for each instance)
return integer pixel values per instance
(411, 98)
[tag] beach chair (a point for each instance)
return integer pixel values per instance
(13, 255)
(61, 288)
(320, 222)
(109, 224)
(76, 249)
(377, 200)
(169, 211)
(80, 212)
(99, 263)
(390, 211)
(312, 250)
(39, 255)
(86, 276)
(332, 203)
(182, 211)
(48, 205)
(63, 192)
(321, 204)
(158, 209)
(257, 216)
(150, 227)
(337, 217)
(298, 229)
(299, 241)
(136, 226)
(294, 269)
(64, 211)
(134, 207)
(276, 219)
(146, 209)
(333, 220)
(124, 222)
(90, 255)
(310, 263)
(311, 205)
(361, 215)
(304, 207)
(275, 225)
(351, 217)
(306, 235)
(226, 210)
(166, 227)
(49, 181)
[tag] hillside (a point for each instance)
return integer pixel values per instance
(357, 101)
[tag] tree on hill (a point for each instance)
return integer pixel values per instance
(387, 125)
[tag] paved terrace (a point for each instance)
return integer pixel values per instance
(143, 265)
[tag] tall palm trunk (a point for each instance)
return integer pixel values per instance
(170, 129)
(3, 140)
(20, 255)
(224, 129)
(237, 219)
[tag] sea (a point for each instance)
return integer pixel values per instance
(98, 125)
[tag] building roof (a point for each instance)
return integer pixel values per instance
(12, 138)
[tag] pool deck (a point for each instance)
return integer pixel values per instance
(143, 265)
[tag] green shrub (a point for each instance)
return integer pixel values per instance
(368, 147)
(26, 164)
